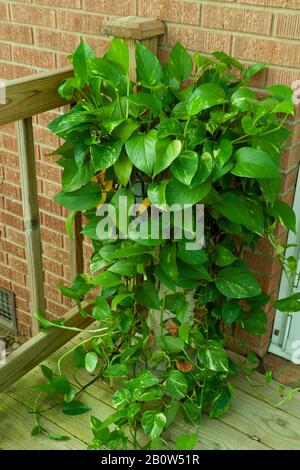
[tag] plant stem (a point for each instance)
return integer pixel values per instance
(119, 105)
(162, 310)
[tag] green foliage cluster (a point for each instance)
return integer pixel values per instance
(186, 132)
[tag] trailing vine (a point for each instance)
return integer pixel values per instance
(187, 133)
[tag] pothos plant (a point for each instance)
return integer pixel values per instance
(184, 132)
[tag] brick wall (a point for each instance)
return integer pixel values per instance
(38, 35)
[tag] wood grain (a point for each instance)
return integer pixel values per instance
(15, 429)
(38, 348)
(31, 219)
(266, 424)
(133, 27)
(33, 94)
(270, 392)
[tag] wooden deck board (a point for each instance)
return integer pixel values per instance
(291, 407)
(16, 425)
(250, 424)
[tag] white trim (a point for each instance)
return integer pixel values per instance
(278, 351)
(282, 321)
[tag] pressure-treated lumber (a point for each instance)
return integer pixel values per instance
(133, 27)
(31, 95)
(38, 348)
(76, 247)
(18, 437)
(31, 218)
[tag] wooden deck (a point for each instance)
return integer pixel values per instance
(250, 424)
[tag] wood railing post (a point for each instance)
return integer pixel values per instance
(133, 28)
(31, 219)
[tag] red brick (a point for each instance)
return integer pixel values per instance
(264, 246)
(245, 20)
(287, 26)
(48, 205)
(257, 341)
(12, 248)
(21, 291)
(8, 158)
(4, 14)
(289, 180)
(53, 280)
(56, 254)
(52, 266)
(67, 273)
(261, 264)
(22, 71)
(56, 40)
(197, 39)
(52, 222)
(99, 45)
(25, 55)
(68, 302)
(5, 283)
(12, 274)
(272, 52)
(274, 3)
(112, 7)
(63, 59)
(5, 51)
(295, 138)
(7, 71)
(24, 330)
(170, 10)
(17, 237)
(290, 157)
(3, 257)
(60, 3)
(21, 304)
(9, 128)
(49, 172)
(24, 316)
(55, 309)
(82, 23)
(10, 190)
(15, 33)
(8, 219)
(268, 285)
(43, 155)
(10, 142)
(44, 119)
(51, 237)
(13, 207)
(50, 189)
(288, 198)
(33, 15)
(53, 294)
(17, 264)
(11, 175)
(46, 137)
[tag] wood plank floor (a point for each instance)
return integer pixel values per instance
(250, 424)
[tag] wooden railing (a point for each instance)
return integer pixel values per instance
(26, 97)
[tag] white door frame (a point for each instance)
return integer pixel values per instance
(283, 321)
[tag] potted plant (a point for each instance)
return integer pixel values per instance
(187, 133)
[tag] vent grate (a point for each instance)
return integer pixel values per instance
(7, 309)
